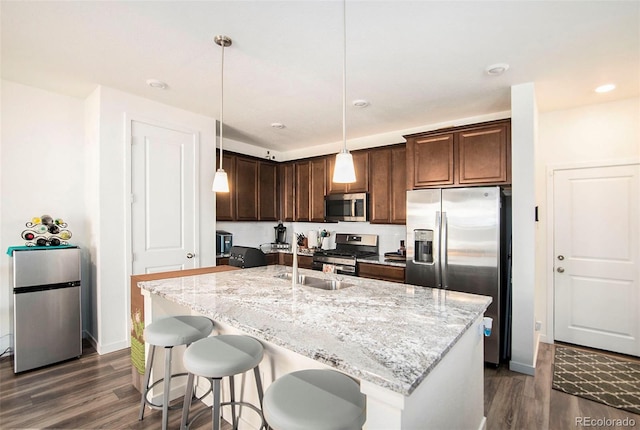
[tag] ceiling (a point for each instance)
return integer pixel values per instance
(416, 62)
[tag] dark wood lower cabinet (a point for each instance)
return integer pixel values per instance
(382, 272)
(304, 261)
(222, 261)
(273, 259)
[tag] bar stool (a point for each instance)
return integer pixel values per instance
(167, 333)
(215, 358)
(314, 399)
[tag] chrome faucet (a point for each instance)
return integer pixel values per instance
(294, 275)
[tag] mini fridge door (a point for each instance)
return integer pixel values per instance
(46, 266)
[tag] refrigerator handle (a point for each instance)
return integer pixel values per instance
(444, 249)
(436, 250)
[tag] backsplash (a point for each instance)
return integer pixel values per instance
(255, 234)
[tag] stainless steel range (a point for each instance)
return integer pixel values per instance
(349, 247)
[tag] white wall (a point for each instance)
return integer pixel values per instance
(524, 117)
(112, 260)
(606, 132)
(42, 172)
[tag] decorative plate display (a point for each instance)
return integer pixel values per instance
(46, 231)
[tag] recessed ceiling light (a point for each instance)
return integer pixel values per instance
(361, 103)
(605, 88)
(277, 125)
(156, 83)
(496, 69)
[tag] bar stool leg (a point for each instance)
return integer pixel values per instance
(167, 387)
(232, 393)
(188, 395)
(147, 378)
(216, 403)
(256, 373)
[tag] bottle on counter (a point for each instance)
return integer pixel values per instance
(402, 250)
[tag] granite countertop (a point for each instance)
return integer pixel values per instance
(387, 333)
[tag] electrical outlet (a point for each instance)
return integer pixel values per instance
(538, 325)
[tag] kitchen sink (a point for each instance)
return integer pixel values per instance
(310, 281)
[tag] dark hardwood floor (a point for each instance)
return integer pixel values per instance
(516, 401)
(96, 392)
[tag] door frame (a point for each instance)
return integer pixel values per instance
(549, 337)
(129, 118)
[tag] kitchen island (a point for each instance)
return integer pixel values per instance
(416, 352)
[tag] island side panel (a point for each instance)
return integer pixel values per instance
(452, 395)
(138, 354)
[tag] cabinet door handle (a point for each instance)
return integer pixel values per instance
(190, 255)
(560, 269)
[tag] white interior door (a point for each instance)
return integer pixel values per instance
(596, 270)
(164, 202)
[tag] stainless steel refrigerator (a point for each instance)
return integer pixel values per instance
(46, 307)
(454, 242)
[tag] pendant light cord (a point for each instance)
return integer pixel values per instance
(344, 74)
(221, 99)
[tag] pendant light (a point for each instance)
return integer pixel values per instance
(344, 172)
(220, 181)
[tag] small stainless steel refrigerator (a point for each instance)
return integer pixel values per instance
(454, 242)
(46, 307)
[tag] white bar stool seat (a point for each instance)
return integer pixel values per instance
(215, 358)
(314, 399)
(167, 333)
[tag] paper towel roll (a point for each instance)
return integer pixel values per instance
(312, 238)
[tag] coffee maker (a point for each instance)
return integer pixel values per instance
(280, 233)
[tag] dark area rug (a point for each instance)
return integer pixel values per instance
(597, 377)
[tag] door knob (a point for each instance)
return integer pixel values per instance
(560, 257)
(560, 270)
(190, 255)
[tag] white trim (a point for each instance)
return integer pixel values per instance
(593, 164)
(551, 169)
(522, 368)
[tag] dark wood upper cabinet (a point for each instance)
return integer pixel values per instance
(379, 202)
(478, 154)
(430, 160)
(287, 191)
(246, 189)
(226, 202)
(302, 186)
(482, 155)
(267, 191)
(253, 190)
(387, 185)
(317, 189)
(398, 185)
(361, 164)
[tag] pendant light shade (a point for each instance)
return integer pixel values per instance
(220, 180)
(344, 172)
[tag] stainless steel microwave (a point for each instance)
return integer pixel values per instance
(346, 207)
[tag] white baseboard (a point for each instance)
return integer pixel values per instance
(527, 369)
